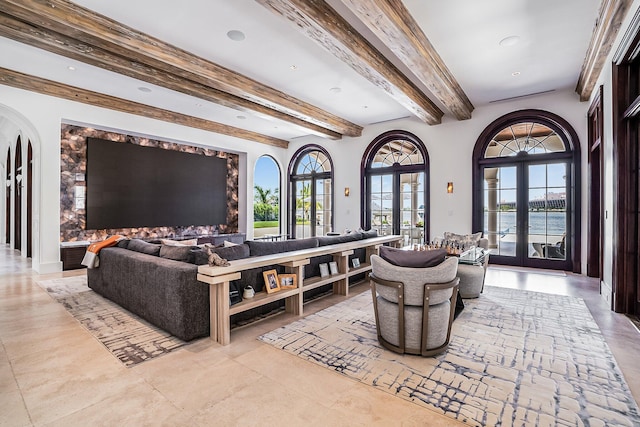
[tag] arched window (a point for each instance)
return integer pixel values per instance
(311, 193)
(395, 182)
(526, 190)
(266, 198)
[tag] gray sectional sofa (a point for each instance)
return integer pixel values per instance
(158, 282)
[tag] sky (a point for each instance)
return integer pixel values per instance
(267, 173)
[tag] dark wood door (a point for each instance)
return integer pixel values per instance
(29, 185)
(17, 211)
(7, 217)
(595, 221)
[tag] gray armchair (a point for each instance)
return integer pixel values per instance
(414, 315)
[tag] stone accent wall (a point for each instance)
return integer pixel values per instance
(73, 166)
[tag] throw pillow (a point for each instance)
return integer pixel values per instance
(138, 245)
(413, 259)
(200, 256)
(369, 233)
(177, 253)
(228, 244)
(169, 242)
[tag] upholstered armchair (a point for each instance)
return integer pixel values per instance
(414, 307)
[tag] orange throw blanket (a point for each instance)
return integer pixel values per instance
(91, 259)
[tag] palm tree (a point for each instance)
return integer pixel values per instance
(263, 195)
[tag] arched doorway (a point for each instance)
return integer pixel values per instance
(526, 190)
(395, 182)
(17, 210)
(22, 186)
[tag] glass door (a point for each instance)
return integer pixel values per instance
(501, 210)
(412, 207)
(382, 203)
(525, 214)
(322, 207)
(303, 205)
(547, 212)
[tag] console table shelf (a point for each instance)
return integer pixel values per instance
(218, 279)
(316, 282)
(260, 299)
(364, 267)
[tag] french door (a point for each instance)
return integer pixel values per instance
(526, 190)
(526, 213)
(396, 204)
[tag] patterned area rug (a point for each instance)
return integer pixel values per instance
(128, 337)
(516, 358)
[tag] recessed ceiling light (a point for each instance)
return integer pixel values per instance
(335, 90)
(235, 35)
(71, 68)
(515, 73)
(294, 67)
(365, 106)
(509, 41)
(144, 89)
(241, 117)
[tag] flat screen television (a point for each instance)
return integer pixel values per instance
(130, 186)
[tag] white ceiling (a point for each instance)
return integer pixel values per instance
(553, 39)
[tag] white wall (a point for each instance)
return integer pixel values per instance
(605, 80)
(450, 147)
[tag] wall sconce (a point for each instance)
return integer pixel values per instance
(346, 191)
(449, 187)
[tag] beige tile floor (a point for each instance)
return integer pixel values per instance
(53, 373)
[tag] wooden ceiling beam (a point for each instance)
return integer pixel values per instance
(60, 44)
(100, 32)
(392, 23)
(610, 17)
(318, 21)
(59, 90)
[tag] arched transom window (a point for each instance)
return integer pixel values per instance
(527, 137)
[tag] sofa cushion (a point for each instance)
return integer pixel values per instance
(369, 234)
(138, 245)
(169, 242)
(413, 259)
(260, 248)
(466, 240)
(177, 253)
(343, 238)
(200, 256)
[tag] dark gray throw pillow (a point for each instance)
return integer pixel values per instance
(234, 252)
(200, 256)
(124, 243)
(413, 259)
(177, 253)
(369, 234)
(144, 247)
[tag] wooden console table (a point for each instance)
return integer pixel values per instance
(218, 279)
